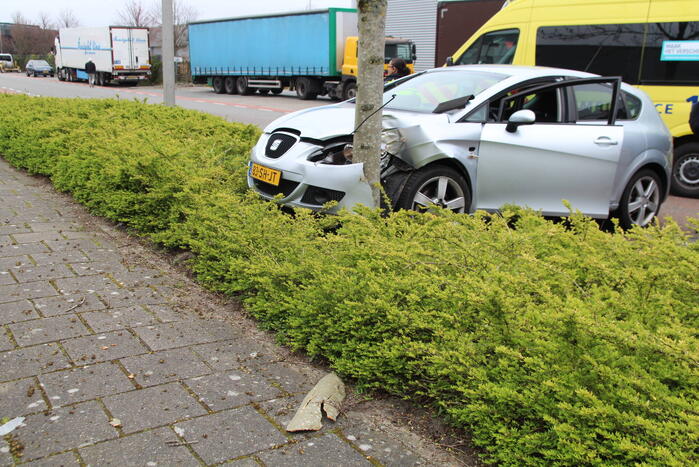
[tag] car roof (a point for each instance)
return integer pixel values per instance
(519, 71)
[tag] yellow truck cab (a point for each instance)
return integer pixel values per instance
(652, 44)
(395, 48)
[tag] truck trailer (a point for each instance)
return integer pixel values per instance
(120, 54)
(313, 52)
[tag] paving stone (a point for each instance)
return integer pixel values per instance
(141, 449)
(103, 347)
(292, 378)
(230, 434)
(85, 284)
(98, 267)
(13, 312)
(231, 354)
(152, 407)
(47, 330)
(388, 451)
(37, 237)
(166, 314)
(165, 366)
(82, 244)
(10, 229)
(118, 318)
(59, 257)
(53, 226)
(42, 273)
(10, 262)
(131, 297)
(328, 450)
(231, 389)
(74, 234)
(101, 255)
(13, 293)
(5, 342)
(6, 278)
(85, 383)
(67, 459)
(5, 456)
(20, 397)
(5, 240)
(31, 361)
(71, 303)
(23, 249)
(64, 428)
(172, 335)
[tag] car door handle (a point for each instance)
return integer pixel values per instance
(606, 141)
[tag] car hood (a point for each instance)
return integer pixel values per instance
(338, 120)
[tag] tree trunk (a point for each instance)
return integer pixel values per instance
(367, 139)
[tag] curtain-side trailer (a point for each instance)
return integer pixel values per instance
(120, 54)
(313, 52)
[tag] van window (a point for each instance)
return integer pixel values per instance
(655, 70)
(6, 57)
(604, 49)
(492, 47)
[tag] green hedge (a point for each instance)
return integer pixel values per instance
(550, 344)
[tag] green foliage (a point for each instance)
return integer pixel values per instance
(551, 343)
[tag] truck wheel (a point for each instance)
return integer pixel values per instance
(218, 84)
(306, 88)
(242, 85)
(230, 85)
(685, 171)
(350, 91)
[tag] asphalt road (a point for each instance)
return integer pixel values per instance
(255, 109)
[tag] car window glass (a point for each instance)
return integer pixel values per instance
(401, 50)
(545, 104)
(663, 58)
(494, 47)
(425, 92)
(593, 101)
(632, 107)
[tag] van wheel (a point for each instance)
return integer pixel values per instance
(685, 171)
(230, 85)
(640, 201)
(242, 85)
(219, 87)
(437, 185)
(306, 88)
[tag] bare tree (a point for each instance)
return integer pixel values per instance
(45, 21)
(183, 14)
(19, 18)
(367, 116)
(135, 13)
(67, 19)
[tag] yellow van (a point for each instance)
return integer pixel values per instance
(653, 44)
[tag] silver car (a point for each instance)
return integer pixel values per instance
(478, 137)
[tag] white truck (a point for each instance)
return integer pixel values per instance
(120, 54)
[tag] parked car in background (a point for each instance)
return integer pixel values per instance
(479, 137)
(38, 68)
(7, 63)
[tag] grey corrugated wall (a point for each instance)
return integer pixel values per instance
(416, 20)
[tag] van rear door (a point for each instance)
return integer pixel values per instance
(130, 48)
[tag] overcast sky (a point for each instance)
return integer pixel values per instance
(104, 13)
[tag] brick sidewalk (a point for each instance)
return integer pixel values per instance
(88, 340)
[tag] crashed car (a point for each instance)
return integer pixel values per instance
(478, 137)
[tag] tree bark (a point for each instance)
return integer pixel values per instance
(367, 139)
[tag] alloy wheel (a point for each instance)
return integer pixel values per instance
(644, 201)
(442, 191)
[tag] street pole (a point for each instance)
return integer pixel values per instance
(168, 45)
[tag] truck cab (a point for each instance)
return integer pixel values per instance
(396, 47)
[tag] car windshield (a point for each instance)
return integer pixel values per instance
(40, 63)
(426, 91)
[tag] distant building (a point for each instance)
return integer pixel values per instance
(6, 44)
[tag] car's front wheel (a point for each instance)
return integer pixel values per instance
(437, 185)
(685, 171)
(640, 201)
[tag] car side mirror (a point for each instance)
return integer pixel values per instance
(521, 117)
(450, 61)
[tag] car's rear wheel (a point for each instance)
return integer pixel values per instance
(230, 84)
(437, 185)
(640, 201)
(685, 171)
